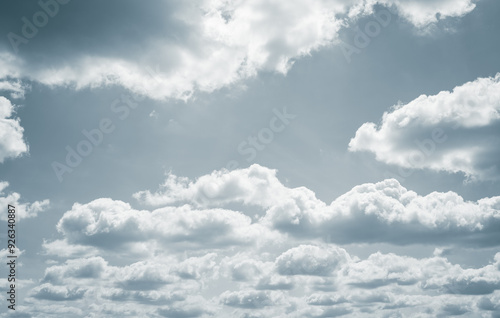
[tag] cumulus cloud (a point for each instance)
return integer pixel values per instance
(23, 210)
(254, 185)
(114, 226)
(310, 260)
(203, 261)
(372, 212)
(12, 143)
(387, 212)
(197, 307)
(453, 131)
(91, 268)
(228, 41)
(57, 293)
(159, 281)
(157, 284)
(386, 284)
(248, 299)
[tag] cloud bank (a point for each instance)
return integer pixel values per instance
(256, 248)
(199, 47)
(372, 212)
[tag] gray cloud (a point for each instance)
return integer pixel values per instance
(247, 299)
(244, 243)
(181, 312)
(58, 293)
(90, 268)
(382, 283)
(198, 47)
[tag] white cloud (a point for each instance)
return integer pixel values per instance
(387, 212)
(249, 298)
(197, 267)
(216, 261)
(64, 249)
(380, 212)
(90, 268)
(114, 226)
(57, 293)
(12, 144)
(452, 131)
(144, 275)
(10, 66)
(255, 185)
(229, 41)
(22, 210)
(160, 281)
(15, 87)
(311, 260)
(325, 300)
(386, 284)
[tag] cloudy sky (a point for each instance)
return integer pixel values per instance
(227, 158)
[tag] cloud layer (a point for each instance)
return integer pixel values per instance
(313, 280)
(455, 131)
(256, 248)
(240, 243)
(380, 212)
(203, 46)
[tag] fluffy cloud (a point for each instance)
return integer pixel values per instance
(380, 212)
(57, 293)
(310, 260)
(114, 226)
(387, 212)
(386, 284)
(453, 131)
(157, 283)
(81, 268)
(228, 41)
(248, 299)
(255, 185)
(188, 259)
(23, 210)
(12, 144)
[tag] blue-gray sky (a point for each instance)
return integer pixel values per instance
(252, 159)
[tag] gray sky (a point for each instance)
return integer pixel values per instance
(235, 159)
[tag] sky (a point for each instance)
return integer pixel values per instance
(228, 158)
